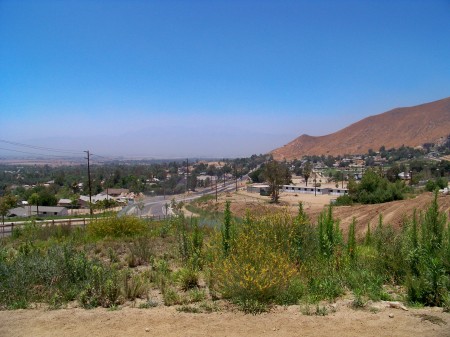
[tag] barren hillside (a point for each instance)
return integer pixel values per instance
(412, 126)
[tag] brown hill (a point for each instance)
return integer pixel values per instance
(411, 126)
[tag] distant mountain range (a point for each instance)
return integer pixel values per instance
(411, 126)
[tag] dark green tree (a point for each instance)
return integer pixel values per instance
(276, 174)
(6, 203)
(306, 171)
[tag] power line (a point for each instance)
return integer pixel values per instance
(34, 153)
(106, 158)
(42, 148)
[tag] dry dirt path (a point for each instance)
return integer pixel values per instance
(163, 321)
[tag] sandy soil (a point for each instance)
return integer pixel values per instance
(282, 321)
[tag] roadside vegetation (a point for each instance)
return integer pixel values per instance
(252, 264)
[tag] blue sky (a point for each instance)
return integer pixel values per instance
(211, 78)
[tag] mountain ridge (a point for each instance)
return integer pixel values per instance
(410, 126)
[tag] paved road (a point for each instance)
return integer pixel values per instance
(152, 206)
(156, 206)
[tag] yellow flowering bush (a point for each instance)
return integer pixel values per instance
(115, 227)
(258, 266)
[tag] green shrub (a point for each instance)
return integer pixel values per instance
(187, 278)
(197, 295)
(101, 289)
(292, 295)
(344, 200)
(160, 273)
(304, 240)
(226, 229)
(55, 275)
(351, 241)
(257, 267)
(328, 287)
(142, 249)
(148, 304)
(189, 309)
(427, 252)
(117, 227)
(133, 286)
(365, 282)
(252, 306)
(329, 233)
(170, 296)
(436, 184)
(373, 189)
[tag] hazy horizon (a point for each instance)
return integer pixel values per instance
(175, 79)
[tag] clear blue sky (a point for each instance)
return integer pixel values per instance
(211, 78)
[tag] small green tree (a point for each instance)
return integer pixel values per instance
(226, 229)
(368, 238)
(329, 232)
(197, 245)
(6, 203)
(276, 174)
(306, 171)
(351, 242)
(303, 244)
(34, 200)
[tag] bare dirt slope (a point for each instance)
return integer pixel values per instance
(393, 213)
(411, 126)
(282, 322)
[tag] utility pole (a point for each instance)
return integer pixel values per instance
(217, 181)
(315, 185)
(89, 182)
(187, 174)
(235, 176)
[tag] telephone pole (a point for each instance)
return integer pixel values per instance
(217, 181)
(89, 182)
(187, 175)
(235, 176)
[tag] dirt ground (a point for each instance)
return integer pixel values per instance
(380, 321)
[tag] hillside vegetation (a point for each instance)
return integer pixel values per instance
(252, 263)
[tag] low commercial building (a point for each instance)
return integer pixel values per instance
(33, 211)
(257, 188)
(314, 190)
